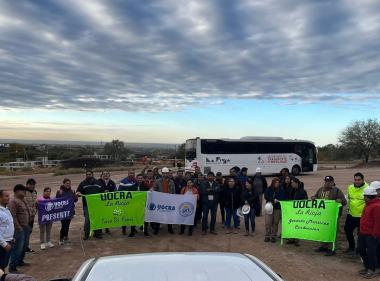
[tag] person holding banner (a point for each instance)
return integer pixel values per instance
(298, 192)
(89, 186)
(369, 233)
(355, 209)
(139, 186)
(165, 185)
(209, 200)
(45, 229)
(274, 194)
(65, 191)
(189, 189)
(329, 191)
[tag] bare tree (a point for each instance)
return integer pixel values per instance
(116, 149)
(363, 137)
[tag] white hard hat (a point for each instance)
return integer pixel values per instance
(239, 213)
(258, 170)
(370, 191)
(375, 185)
(268, 208)
(245, 209)
(165, 170)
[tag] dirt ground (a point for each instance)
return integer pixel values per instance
(290, 262)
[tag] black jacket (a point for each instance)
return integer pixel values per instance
(264, 183)
(213, 190)
(299, 194)
(87, 187)
(271, 194)
(232, 197)
(252, 198)
(110, 186)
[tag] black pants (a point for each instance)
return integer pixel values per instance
(222, 211)
(367, 248)
(206, 208)
(156, 228)
(350, 225)
(4, 258)
(146, 228)
(64, 233)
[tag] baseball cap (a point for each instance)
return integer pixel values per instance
(165, 170)
(370, 191)
(329, 178)
(258, 170)
(375, 185)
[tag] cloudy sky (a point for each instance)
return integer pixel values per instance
(165, 71)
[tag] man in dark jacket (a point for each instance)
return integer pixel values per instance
(330, 191)
(138, 186)
(260, 186)
(179, 181)
(209, 200)
(89, 186)
(106, 183)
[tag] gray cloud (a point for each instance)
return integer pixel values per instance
(167, 55)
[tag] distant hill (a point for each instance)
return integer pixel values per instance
(63, 142)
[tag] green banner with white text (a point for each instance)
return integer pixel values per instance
(310, 219)
(115, 209)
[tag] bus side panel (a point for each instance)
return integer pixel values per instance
(269, 163)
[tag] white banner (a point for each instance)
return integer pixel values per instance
(170, 208)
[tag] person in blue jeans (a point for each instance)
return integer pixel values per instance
(250, 198)
(232, 201)
(20, 214)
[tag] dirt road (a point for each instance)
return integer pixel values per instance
(292, 263)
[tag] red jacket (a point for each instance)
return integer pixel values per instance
(370, 220)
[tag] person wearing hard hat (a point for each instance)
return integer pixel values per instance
(355, 209)
(166, 185)
(259, 185)
(369, 232)
(376, 186)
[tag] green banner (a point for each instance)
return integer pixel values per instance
(115, 209)
(310, 219)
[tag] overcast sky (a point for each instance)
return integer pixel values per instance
(165, 71)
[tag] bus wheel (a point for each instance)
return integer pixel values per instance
(296, 170)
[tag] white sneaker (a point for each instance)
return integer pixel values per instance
(49, 245)
(43, 246)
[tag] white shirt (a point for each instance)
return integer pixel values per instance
(7, 227)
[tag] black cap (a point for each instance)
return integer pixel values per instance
(236, 169)
(329, 178)
(19, 187)
(244, 169)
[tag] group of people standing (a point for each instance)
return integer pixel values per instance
(236, 195)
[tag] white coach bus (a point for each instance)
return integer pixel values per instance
(271, 154)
